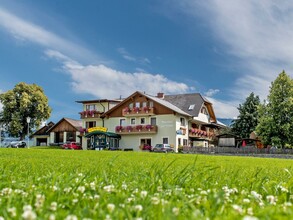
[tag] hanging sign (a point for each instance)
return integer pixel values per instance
(103, 129)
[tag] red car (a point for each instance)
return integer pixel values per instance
(72, 146)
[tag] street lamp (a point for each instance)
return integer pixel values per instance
(28, 120)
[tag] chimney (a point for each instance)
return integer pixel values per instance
(160, 95)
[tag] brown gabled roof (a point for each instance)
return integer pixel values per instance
(44, 130)
(98, 101)
(153, 98)
(77, 124)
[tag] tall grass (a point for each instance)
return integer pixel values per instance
(60, 184)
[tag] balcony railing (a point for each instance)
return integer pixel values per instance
(138, 111)
(197, 133)
(137, 129)
(90, 114)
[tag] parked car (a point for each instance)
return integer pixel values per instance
(72, 146)
(147, 147)
(17, 144)
(163, 148)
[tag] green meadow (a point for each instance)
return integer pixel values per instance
(65, 184)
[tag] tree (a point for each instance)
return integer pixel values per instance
(276, 115)
(247, 119)
(23, 101)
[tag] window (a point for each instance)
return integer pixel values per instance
(185, 142)
(132, 121)
(179, 141)
(137, 104)
(122, 122)
(142, 121)
(90, 124)
(191, 107)
(153, 121)
(204, 111)
(165, 140)
(131, 105)
(182, 121)
(144, 104)
(90, 107)
(70, 136)
(151, 104)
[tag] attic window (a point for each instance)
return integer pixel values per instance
(191, 107)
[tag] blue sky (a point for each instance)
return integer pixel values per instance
(81, 50)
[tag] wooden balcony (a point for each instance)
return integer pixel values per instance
(137, 129)
(90, 114)
(127, 112)
(196, 133)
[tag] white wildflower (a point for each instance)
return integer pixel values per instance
(155, 200)
(2, 218)
(109, 188)
(53, 206)
(159, 188)
(28, 213)
(246, 200)
(39, 201)
(80, 174)
(93, 185)
(250, 211)
(52, 217)
(54, 188)
(81, 189)
(124, 186)
(27, 208)
(271, 199)
(138, 208)
(143, 194)
(96, 197)
(110, 207)
(74, 201)
(175, 211)
(12, 211)
(6, 191)
(203, 192)
(67, 190)
(71, 217)
(249, 218)
(108, 217)
(237, 208)
(256, 195)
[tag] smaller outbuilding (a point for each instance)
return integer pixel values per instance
(229, 140)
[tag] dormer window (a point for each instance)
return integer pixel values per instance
(204, 111)
(191, 107)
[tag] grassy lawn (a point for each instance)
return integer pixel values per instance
(65, 184)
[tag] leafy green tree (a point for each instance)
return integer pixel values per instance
(23, 101)
(276, 115)
(247, 119)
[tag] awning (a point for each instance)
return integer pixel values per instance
(109, 134)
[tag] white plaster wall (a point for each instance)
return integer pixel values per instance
(203, 118)
(52, 136)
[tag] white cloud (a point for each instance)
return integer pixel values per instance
(23, 30)
(127, 56)
(224, 109)
(259, 34)
(102, 81)
(211, 92)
